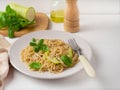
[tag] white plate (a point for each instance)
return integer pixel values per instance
(22, 42)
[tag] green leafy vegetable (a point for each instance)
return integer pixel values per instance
(10, 33)
(36, 48)
(40, 42)
(33, 40)
(44, 47)
(39, 45)
(32, 44)
(66, 60)
(9, 19)
(35, 65)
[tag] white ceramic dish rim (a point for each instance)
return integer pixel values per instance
(18, 45)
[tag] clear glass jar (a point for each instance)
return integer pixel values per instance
(57, 11)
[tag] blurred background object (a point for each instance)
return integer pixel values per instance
(85, 6)
(57, 10)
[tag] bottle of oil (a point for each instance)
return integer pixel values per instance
(57, 11)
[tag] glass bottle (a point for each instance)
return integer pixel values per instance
(57, 11)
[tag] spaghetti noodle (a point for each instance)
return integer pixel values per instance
(57, 57)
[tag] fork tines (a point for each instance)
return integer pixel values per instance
(74, 45)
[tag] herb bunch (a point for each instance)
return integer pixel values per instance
(11, 20)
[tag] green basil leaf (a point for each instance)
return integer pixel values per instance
(32, 44)
(66, 60)
(44, 48)
(10, 33)
(40, 42)
(12, 21)
(35, 65)
(39, 46)
(10, 11)
(33, 40)
(36, 48)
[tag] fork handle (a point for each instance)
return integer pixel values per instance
(87, 66)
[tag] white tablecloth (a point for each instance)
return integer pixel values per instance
(102, 32)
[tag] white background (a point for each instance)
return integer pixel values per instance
(85, 6)
(100, 27)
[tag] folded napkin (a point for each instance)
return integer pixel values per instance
(4, 63)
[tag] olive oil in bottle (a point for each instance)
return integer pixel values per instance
(57, 11)
(57, 16)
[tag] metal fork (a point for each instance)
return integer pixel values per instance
(87, 66)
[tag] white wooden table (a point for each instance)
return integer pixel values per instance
(102, 32)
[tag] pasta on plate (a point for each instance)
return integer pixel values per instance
(51, 55)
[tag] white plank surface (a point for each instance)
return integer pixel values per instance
(101, 30)
(99, 6)
(85, 6)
